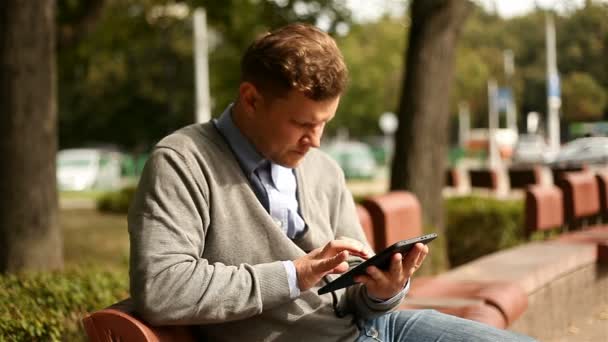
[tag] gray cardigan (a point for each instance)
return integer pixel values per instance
(205, 252)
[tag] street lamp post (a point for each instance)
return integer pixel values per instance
(553, 88)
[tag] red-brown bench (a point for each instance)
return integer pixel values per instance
(395, 216)
(581, 197)
(602, 183)
(385, 220)
(544, 208)
(366, 223)
(497, 303)
(119, 323)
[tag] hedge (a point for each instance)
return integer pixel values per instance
(48, 306)
(476, 226)
(116, 201)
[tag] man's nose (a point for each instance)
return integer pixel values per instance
(315, 139)
(315, 136)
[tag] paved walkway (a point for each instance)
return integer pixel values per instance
(591, 329)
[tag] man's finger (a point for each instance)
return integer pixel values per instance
(354, 247)
(364, 247)
(410, 259)
(396, 269)
(421, 256)
(375, 273)
(363, 279)
(328, 264)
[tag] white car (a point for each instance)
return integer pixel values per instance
(355, 158)
(88, 168)
(531, 149)
(591, 150)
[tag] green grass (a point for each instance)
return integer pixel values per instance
(89, 194)
(92, 237)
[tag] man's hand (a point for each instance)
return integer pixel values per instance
(329, 259)
(386, 284)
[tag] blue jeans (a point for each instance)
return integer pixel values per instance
(430, 326)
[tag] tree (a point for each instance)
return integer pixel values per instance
(373, 51)
(131, 81)
(583, 98)
(29, 230)
(422, 136)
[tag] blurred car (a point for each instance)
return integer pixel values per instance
(88, 168)
(355, 158)
(591, 150)
(531, 149)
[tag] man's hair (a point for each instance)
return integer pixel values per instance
(295, 57)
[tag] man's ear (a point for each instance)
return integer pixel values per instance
(249, 97)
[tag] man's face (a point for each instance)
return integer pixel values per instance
(287, 127)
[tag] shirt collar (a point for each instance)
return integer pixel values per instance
(245, 152)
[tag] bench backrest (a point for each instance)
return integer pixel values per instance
(395, 216)
(119, 323)
(366, 223)
(544, 208)
(581, 195)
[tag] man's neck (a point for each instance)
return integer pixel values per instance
(244, 124)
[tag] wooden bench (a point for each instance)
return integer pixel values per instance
(496, 303)
(120, 323)
(385, 219)
(395, 216)
(544, 209)
(366, 223)
(574, 264)
(581, 197)
(602, 183)
(558, 171)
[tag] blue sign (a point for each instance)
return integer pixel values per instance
(505, 96)
(553, 88)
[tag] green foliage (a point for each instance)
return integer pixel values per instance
(49, 306)
(582, 35)
(584, 98)
(477, 226)
(129, 81)
(116, 201)
(374, 55)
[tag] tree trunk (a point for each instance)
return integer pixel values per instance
(422, 136)
(30, 238)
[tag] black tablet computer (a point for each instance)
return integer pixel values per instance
(380, 260)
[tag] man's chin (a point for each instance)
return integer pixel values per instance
(291, 161)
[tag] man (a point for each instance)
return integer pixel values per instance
(238, 222)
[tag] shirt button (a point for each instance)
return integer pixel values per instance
(278, 222)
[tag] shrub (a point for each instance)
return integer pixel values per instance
(116, 201)
(477, 226)
(48, 306)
